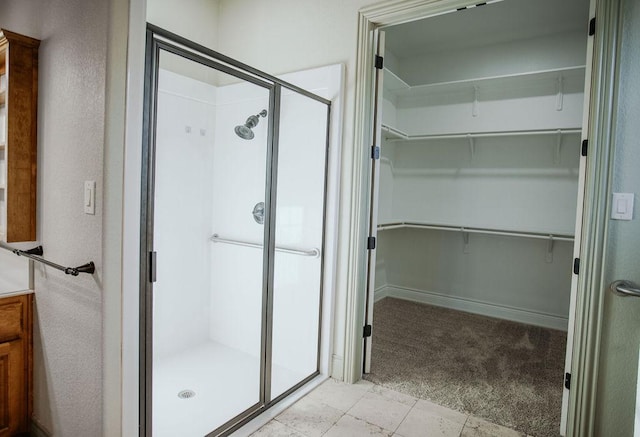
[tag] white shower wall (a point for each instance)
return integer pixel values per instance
(239, 176)
(184, 185)
(208, 180)
(299, 224)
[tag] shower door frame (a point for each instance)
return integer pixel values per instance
(158, 39)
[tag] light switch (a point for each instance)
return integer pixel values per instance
(90, 197)
(622, 207)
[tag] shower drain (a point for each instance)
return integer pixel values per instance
(186, 394)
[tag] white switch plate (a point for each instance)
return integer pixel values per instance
(90, 197)
(622, 206)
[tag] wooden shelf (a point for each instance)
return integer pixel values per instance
(3, 97)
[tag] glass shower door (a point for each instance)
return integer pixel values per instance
(210, 169)
(299, 236)
(233, 230)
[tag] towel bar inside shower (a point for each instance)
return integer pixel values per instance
(314, 252)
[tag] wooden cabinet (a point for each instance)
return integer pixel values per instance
(15, 364)
(18, 139)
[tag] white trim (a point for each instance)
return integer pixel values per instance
(474, 306)
(355, 194)
(580, 210)
(381, 292)
(583, 416)
(38, 429)
(337, 366)
(131, 219)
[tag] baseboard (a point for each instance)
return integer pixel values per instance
(475, 307)
(380, 293)
(38, 429)
(337, 368)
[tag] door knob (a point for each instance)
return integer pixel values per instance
(624, 288)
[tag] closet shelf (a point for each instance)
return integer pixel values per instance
(394, 134)
(393, 82)
(514, 80)
(470, 230)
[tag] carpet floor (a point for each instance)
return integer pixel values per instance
(508, 373)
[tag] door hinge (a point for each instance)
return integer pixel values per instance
(366, 331)
(592, 26)
(375, 152)
(567, 381)
(371, 243)
(576, 266)
(585, 146)
(152, 266)
(379, 63)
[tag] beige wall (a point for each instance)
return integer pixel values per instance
(193, 19)
(68, 323)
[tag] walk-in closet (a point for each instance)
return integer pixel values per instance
(476, 200)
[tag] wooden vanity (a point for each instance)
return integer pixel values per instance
(16, 375)
(18, 150)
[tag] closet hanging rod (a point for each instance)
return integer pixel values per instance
(313, 252)
(518, 133)
(36, 255)
(415, 225)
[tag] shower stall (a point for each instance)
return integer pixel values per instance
(233, 218)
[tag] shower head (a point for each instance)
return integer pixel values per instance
(244, 130)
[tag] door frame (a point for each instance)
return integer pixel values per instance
(588, 313)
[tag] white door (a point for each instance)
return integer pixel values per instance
(373, 201)
(578, 232)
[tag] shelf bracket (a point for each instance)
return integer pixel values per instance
(558, 146)
(560, 95)
(465, 238)
(474, 106)
(549, 258)
(472, 146)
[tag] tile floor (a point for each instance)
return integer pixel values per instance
(336, 409)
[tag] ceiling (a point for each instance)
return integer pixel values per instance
(493, 23)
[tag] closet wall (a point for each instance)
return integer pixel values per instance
(482, 136)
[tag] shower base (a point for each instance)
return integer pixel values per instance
(224, 382)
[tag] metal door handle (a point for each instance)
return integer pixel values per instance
(625, 288)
